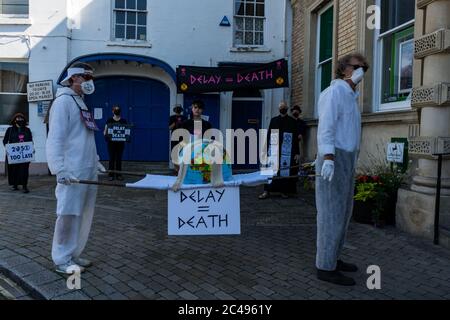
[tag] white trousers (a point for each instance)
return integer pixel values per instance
(75, 212)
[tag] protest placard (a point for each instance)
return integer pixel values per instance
(204, 211)
(20, 152)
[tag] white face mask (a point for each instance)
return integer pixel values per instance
(88, 87)
(357, 75)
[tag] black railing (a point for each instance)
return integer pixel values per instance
(438, 197)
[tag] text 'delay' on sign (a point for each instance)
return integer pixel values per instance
(204, 211)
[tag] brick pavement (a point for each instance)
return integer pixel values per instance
(273, 258)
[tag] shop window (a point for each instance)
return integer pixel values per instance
(395, 52)
(130, 20)
(249, 23)
(14, 8)
(13, 90)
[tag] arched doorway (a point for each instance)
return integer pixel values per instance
(145, 104)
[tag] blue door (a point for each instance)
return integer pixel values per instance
(246, 115)
(145, 104)
(212, 107)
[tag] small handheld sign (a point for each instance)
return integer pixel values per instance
(204, 211)
(119, 132)
(20, 152)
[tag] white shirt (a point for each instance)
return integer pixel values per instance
(339, 119)
(70, 145)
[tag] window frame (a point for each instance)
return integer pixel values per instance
(4, 125)
(254, 18)
(125, 24)
(317, 63)
(17, 15)
(379, 106)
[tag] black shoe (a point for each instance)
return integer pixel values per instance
(346, 267)
(335, 277)
(14, 188)
(284, 196)
(25, 190)
(111, 178)
(119, 177)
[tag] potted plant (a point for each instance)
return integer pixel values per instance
(376, 197)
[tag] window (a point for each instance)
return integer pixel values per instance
(14, 8)
(324, 57)
(13, 90)
(395, 52)
(130, 20)
(249, 23)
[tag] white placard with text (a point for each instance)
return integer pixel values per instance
(20, 152)
(204, 211)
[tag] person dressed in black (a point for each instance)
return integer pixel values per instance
(115, 148)
(287, 128)
(17, 133)
(175, 122)
(196, 120)
(301, 127)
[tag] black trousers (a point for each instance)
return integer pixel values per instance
(115, 150)
(18, 174)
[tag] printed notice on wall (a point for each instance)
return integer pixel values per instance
(204, 211)
(40, 91)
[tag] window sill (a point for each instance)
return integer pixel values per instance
(15, 21)
(132, 44)
(395, 106)
(250, 49)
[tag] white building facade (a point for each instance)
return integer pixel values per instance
(135, 47)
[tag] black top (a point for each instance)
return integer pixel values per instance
(302, 127)
(111, 120)
(189, 126)
(285, 124)
(178, 120)
(15, 135)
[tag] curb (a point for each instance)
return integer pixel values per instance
(38, 281)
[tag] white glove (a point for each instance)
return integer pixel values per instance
(328, 170)
(65, 178)
(100, 168)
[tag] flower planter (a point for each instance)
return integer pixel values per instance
(362, 211)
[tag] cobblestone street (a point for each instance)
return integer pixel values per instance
(273, 258)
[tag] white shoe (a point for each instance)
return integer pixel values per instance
(85, 263)
(69, 268)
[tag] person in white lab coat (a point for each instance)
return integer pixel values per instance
(72, 155)
(338, 139)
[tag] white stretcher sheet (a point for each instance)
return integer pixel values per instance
(160, 182)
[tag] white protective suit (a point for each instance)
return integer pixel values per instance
(339, 133)
(71, 149)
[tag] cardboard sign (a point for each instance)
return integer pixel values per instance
(40, 91)
(204, 211)
(395, 152)
(119, 132)
(20, 152)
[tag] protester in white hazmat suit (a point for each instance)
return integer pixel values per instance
(72, 155)
(338, 139)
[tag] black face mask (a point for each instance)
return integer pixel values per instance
(296, 114)
(283, 111)
(21, 123)
(117, 112)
